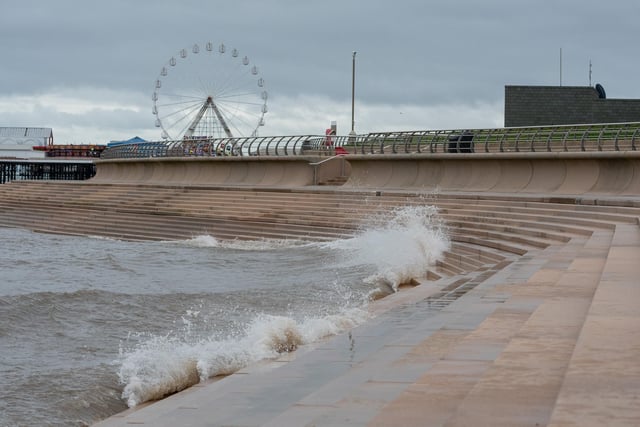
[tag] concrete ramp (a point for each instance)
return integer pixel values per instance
(616, 173)
(272, 171)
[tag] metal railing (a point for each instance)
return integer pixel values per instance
(596, 137)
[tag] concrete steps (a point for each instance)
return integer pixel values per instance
(509, 328)
(549, 353)
(132, 212)
(129, 212)
(523, 381)
(500, 365)
(595, 393)
(489, 350)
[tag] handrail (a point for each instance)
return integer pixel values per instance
(315, 166)
(325, 160)
(589, 137)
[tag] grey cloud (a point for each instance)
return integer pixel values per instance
(409, 51)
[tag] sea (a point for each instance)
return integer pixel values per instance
(91, 326)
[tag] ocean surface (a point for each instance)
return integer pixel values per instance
(90, 326)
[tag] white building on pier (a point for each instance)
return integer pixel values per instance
(18, 142)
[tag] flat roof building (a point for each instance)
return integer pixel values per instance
(565, 105)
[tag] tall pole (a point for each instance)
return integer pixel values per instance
(560, 66)
(353, 94)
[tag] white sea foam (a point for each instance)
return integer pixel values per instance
(207, 241)
(263, 244)
(159, 367)
(96, 237)
(400, 245)
(202, 241)
(164, 365)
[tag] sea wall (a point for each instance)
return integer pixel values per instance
(538, 172)
(553, 173)
(256, 171)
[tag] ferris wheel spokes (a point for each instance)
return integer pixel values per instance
(194, 124)
(220, 95)
(179, 119)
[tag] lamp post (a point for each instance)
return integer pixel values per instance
(353, 95)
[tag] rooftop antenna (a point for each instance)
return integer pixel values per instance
(589, 72)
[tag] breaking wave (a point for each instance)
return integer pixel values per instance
(398, 246)
(161, 366)
(394, 248)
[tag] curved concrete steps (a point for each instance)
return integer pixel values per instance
(498, 227)
(509, 328)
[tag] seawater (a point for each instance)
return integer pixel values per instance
(90, 326)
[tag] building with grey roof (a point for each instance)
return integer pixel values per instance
(18, 142)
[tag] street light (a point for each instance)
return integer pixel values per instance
(353, 95)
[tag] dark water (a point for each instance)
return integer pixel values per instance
(89, 326)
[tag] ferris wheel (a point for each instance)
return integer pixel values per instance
(209, 91)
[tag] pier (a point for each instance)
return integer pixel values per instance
(33, 169)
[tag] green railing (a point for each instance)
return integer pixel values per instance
(596, 137)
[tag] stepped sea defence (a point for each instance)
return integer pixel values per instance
(516, 272)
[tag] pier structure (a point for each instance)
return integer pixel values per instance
(41, 169)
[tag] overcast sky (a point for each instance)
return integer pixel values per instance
(87, 68)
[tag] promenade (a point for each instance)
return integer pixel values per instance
(531, 319)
